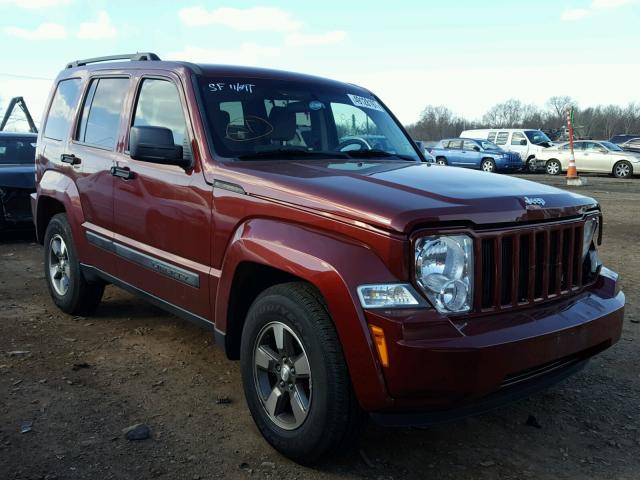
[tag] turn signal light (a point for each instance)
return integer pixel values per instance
(381, 344)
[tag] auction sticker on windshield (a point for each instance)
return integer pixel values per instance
(365, 102)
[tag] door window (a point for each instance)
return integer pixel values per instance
(101, 112)
(492, 137)
(455, 145)
(469, 145)
(62, 107)
(159, 106)
(502, 138)
(517, 138)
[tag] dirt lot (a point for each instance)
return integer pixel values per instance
(85, 379)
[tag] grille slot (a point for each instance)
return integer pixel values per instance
(517, 268)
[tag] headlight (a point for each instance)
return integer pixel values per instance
(590, 229)
(444, 270)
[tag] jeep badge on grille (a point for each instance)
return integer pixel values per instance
(534, 202)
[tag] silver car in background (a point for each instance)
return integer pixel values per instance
(597, 156)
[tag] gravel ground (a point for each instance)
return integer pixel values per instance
(76, 383)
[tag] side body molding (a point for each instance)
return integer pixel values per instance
(335, 266)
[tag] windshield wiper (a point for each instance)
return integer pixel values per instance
(290, 153)
(376, 153)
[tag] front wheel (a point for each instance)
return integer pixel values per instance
(488, 165)
(553, 167)
(441, 161)
(622, 169)
(295, 378)
(70, 291)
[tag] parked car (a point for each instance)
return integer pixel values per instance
(479, 154)
(524, 141)
(344, 281)
(632, 145)
(623, 138)
(599, 156)
(17, 177)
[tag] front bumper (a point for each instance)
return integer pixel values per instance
(441, 366)
(15, 205)
(537, 164)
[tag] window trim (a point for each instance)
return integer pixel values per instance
(53, 96)
(85, 94)
(188, 128)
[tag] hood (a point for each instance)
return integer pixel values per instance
(400, 196)
(17, 176)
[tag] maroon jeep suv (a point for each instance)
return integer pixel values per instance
(347, 277)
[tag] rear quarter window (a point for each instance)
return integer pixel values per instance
(501, 138)
(61, 110)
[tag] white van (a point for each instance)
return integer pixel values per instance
(526, 141)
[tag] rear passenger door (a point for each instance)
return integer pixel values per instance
(162, 213)
(454, 152)
(91, 153)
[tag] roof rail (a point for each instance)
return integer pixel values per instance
(140, 56)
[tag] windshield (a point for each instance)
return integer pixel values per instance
(17, 150)
(537, 137)
(612, 146)
(255, 118)
(487, 145)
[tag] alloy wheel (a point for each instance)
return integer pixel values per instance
(59, 267)
(553, 168)
(487, 166)
(622, 170)
(282, 375)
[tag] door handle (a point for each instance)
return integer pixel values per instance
(70, 158)
(122, 172)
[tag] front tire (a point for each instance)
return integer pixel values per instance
(622, 169)
(442, 161)
(488, 165)
(295, 378)
(68, 288)
(553, 167)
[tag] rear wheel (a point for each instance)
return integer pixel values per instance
(441, 161)
(295, 379)
(553, 167)
(68, 288)
(488, 165)
(622, 169)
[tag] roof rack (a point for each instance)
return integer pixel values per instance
(140, 56)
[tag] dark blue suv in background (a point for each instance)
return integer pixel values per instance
(478, 154)
(17, 177)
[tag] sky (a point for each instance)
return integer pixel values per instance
(467, 55)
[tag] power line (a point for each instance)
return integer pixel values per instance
(12, 75)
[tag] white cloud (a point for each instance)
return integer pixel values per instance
(44, 31)
(100, 29)
(572, 14)
(35, 4)
(247, 53)
(252, 19)
(297, 39)
(601, 4)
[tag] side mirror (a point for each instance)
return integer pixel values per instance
(476, 148)
(523, 142)
(603, 150)
(155, 145)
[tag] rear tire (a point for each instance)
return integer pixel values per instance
(68, 288)
(488, 165)
(442, 161)
(622, 169)
(306, 410)
(553, 167)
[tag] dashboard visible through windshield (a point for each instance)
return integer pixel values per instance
(255, 118)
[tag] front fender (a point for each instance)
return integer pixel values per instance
(335, 266)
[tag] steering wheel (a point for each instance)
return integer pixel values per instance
(353, 145)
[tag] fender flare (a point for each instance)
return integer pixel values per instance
(335, 266)
(59, 187)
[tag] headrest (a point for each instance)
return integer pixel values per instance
(221, 120)
(283, 122)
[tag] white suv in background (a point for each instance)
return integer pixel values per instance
(525, 141)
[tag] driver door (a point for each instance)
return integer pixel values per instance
(162, 213)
